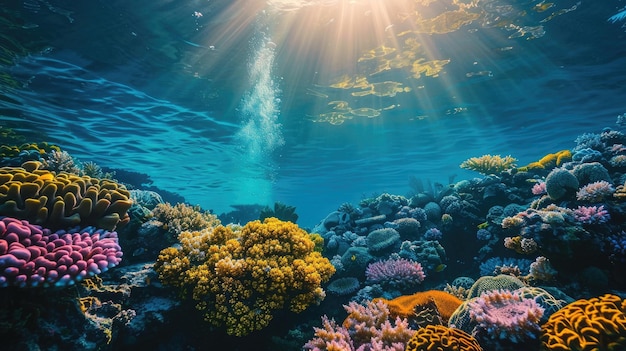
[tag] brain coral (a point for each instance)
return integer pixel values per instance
(240, 277)
(32, 256)
(439, 337)
(597, 324)
(381, 239)
(62, 200)
(560, 182)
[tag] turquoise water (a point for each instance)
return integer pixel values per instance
(217, 101)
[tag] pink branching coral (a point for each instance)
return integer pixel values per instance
(595, 192)
(395, 272)
(592, 214)
(367, 327)
(505, 314)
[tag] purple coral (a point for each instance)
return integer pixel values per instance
(395, 272)
(595, 192)
(591, 214)
(505, 314)
(616, 246)
(33, 256)
(433, 234)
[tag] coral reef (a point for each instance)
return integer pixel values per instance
(240, 277)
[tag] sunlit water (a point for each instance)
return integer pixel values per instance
(200, 98)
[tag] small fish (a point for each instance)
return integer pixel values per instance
(440, 267)
(353, 258)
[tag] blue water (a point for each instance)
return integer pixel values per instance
(220, 101)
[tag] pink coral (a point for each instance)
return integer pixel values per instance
(367, 327)
(395, 272)
(505, 314)
(33, 256)
(591, 214)
(595, 192)
(539, 188)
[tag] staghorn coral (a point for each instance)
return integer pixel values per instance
(32, 256)
(240, 277)
(489, 164)
(598, 323)
(549, 161)
(62, 200)
(368, 326)
(592, 214)
(61, 161)
(439, 337)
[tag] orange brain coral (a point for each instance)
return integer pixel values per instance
(404, 306)
(439, 337)
(595, 324)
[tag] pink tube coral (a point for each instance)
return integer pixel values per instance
(33, 256)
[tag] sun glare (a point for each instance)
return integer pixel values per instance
(352, 59)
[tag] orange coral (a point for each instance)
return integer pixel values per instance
(439, 337)
(584, 325)
(404, 306)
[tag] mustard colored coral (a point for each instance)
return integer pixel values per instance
(489, 164)
(597, 324)
(549, 161)
(439, 337)
(182, 217)
(62, 200)
(241, 276)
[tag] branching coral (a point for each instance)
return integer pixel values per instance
(182, 217)
(368, 326)
(240, 277)
(395, 273)
(489, 164)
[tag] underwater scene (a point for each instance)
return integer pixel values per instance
(309, 175)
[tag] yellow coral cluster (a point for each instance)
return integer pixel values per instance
(62, 200)
(595, 324)
(439, 337)
(10, 151)
(549, 161)
(241, 276)
(489, 164)
(182, 217)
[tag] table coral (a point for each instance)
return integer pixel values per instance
(62, 200)
(33, 256)
(598, 323)
(439, 337)
(240, 277)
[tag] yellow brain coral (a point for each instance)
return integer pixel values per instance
(596, 324)
(62, 200)
(439, 337)
(240, 277)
